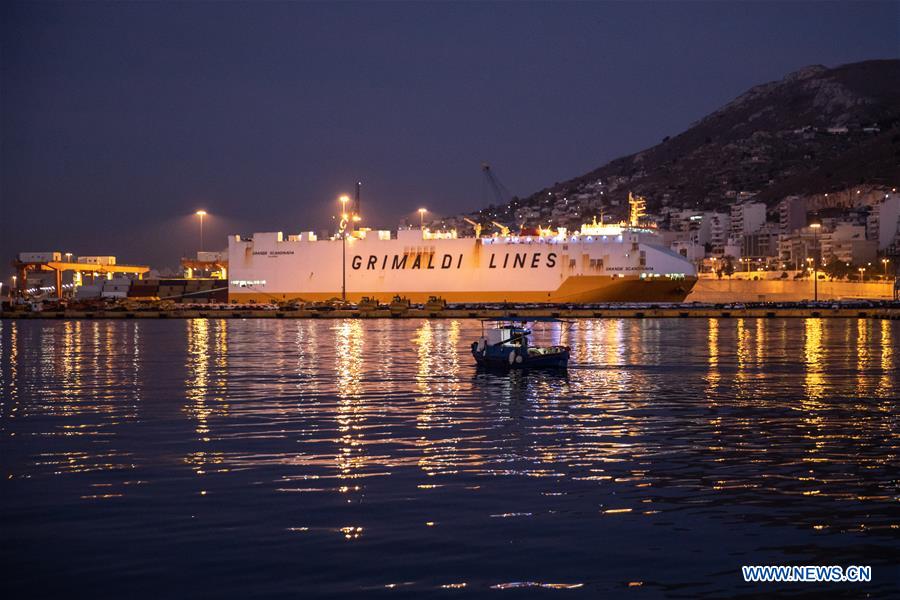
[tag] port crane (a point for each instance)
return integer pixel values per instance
(475, 226)
(501, 194)
(504, 230)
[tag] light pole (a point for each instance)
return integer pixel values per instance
(201, 214)
(885, 262)
(815, 227)
(422, 212)
(861, 271)
(15, 289)
(344, 200)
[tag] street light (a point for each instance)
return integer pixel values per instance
(344, 199)
(861, 271)
(68, 257)
(201, 214)
(422, 212)
(815, 227)
(885, 262)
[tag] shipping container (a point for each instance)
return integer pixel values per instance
(86, 292)
(40, 257)
(97, 260)
(211, 256)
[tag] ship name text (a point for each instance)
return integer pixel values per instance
(518, 260)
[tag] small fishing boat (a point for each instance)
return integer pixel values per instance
(506, 346)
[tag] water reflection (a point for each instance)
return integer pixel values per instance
(713, 376)
(814, 363)
(887, 382)
(9, 368)
(382, 436)
(438, 386)
(351, 457)
(206, 386)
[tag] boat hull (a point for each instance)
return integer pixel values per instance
(585, 289)
(558, 360)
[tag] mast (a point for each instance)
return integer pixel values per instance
(638, 208)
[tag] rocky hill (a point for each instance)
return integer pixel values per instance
(816, 130)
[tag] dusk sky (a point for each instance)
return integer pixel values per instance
(120, 120)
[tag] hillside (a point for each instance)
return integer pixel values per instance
(816, 130)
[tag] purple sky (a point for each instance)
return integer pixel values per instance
(118, 121)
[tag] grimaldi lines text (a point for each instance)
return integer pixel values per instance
(600, 263)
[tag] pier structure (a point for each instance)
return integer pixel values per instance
(881, 310)
(58, 266)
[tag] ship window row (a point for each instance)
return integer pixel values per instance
(247, 282)
(667, 275)
(554, 240)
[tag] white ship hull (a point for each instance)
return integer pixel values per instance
(624, 267)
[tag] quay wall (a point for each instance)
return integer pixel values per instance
(883, 312)
(742, 290)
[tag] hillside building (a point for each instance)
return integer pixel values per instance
(762, 243)
(747, 217)
(791, 214)
(847, 243)
(883, 221)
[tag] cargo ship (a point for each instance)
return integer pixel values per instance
(598, 263)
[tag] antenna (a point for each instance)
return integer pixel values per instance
(358, 185)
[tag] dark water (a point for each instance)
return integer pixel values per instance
(257, 458)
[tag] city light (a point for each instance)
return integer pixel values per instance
(201, 213)
(344, 199)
